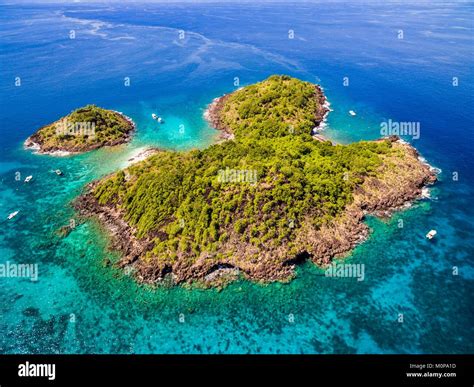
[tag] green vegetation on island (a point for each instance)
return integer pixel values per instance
(84, 129)
(251, 204)
(277, 107)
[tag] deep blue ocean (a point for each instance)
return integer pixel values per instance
(405, 62)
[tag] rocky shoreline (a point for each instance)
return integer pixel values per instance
(35, 144)
(211, 114)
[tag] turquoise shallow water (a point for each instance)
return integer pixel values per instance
(79, 305)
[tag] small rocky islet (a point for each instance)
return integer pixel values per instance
(260, 201)
(85, 129)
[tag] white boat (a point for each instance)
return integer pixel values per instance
(13, 214)
(58, 172)
(431, 234)
(352, 113)
(157, 118)
(28, 178)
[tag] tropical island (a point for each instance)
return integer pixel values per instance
(256, 205)
(85, 129)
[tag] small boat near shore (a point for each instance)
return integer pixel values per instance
(12, 215)
(28, 178)
(352, 113)
(431, 234)
(58, 172)
(157, 118)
